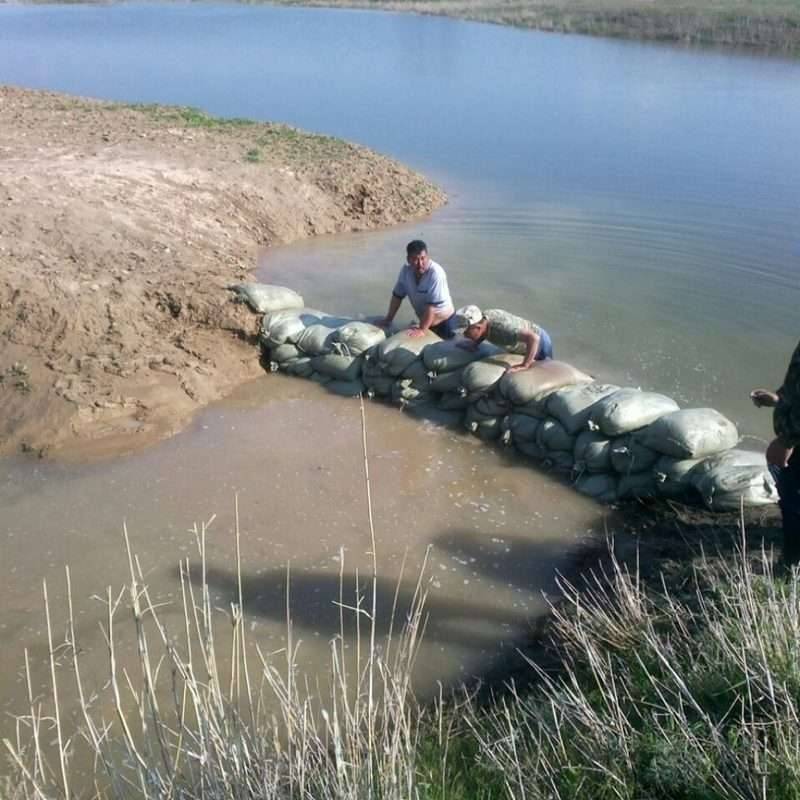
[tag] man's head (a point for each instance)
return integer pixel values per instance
(471, 321)
(417, 257)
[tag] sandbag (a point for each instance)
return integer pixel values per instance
(629, 455)
(592, 452)
(490, 406)
(417, 374)
(628, 410)
(530, 449)
(282, 326)
(284, 352)
(552, 436)
(404, 393)
(559, 460)
(735, 476)
(299, 367)
(480, 376)
(396, 353)
(451, 354)
(340, 368)
(535, 409)
(521, 427)
(539, 381)
(317, 339)
(357, 337)
(453, 401)
(690, 433)
(318, 377)
(674, 476)
(637, 485)
(730, 458)
(265, 298)
(572, 405)
(346, 388)
(602, 487)
(446, 382)
(483, 426)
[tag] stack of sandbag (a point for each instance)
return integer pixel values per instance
(616, 442)
(312, 344)
(394, 370)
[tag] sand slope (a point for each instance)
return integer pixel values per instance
(119, 229)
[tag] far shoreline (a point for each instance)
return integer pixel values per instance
(770, 27)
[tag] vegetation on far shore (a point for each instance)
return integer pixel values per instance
(772, 25)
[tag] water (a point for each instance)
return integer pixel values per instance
(639, 201)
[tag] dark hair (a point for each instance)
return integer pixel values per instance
(415, 248)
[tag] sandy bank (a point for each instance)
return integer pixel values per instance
(119, 229)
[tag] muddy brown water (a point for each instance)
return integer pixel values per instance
(494, 532)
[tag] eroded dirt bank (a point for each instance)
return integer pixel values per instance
(121, 226)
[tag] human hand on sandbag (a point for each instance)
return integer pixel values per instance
(415, 332)
(778, 454)
(518, 368)
(763, 399)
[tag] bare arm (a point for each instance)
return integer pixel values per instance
(425, 322)
(532, 341)
(394, 307)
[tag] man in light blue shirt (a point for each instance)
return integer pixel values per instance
(424, 283)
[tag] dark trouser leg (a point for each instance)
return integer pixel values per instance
(788, 481)
(446, 329)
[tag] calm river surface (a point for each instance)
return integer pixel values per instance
(639, 201)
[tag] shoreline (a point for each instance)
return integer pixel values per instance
(121, 227)
(773, 27)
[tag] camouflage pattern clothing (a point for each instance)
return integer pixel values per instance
(786, 417)
(505, 328)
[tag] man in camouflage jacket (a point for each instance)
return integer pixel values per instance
(781, 456)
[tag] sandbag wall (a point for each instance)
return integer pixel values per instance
(613, 442)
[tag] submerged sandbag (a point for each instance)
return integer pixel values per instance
(356, 337)
(453, 354)
(572, 405)
(629, 455)
(637, 485)
(453, 401)
(602, 487)
(690, 433)
(404, 393)
(530, 449)
(537, 382)
(592, 452)
(264, 298)
(552, 436)
(480, 376)
(340, 368)
(346, 388)
(398, 352)
(628, 410)
(299, 367)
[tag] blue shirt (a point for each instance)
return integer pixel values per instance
(431, 290)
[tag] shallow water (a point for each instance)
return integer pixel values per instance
(638, 201)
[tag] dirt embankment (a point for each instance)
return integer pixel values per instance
(119, 229)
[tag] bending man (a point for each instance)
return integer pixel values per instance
(505, 330)
(784, 462)
(424, 283)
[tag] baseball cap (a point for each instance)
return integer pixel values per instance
(468, 315)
